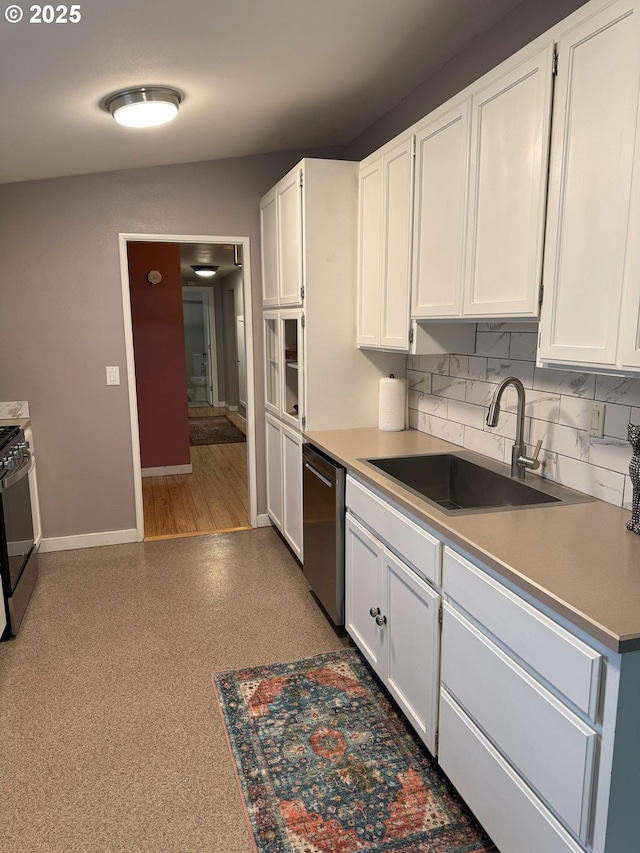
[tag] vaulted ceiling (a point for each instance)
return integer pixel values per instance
(257, 76)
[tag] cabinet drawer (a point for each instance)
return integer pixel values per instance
(562, 659)
(547, 743)
(414, 544)
(512, 815)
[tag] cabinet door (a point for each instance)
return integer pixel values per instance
(413, 654)
(272, 361)
(508, 809)
(540, 737)
(369, 254)
(440, 207)
(364, 592)
(289, 202)
(269, 243)
(594, 126)
(509, 161)
(292, 360)
(397, 218)
(292, 489)
(273, 447)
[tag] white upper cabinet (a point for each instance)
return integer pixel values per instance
(281, 237)
(592, 268)
(397, 184)
(269, 245)
(441, 193)
(289, 204)
(508, 181)
(480, 191)
(384, 247)
(369, 253)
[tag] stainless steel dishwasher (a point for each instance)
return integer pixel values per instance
(323, 530)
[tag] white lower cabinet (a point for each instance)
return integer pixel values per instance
(548, 745)
(284, 481)
(533, 721)
(508, 810)
(392, 615)
(292, 489)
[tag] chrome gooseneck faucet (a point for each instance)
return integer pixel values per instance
(519, 460)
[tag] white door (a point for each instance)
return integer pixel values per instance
(273, 448)
(292, 489)
(397, 219)
(269, 247)
(509, 159)
(242, 364)
(364, 592)
(413, 637)
(588, 235)
(292, 361)
(206, 321)
(369, 254)
(440, 207)
(289, 202)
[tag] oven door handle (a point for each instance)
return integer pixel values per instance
(17, 475)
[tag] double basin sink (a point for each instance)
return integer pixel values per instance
(462, 483)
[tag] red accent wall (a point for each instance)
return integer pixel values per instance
(158, 344)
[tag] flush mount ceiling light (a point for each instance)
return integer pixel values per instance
(205, 270)
(144, 106)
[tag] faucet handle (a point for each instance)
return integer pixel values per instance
(531, 462)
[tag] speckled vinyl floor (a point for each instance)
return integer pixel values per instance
(111, 739)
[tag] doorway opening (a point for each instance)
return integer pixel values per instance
(208, 489)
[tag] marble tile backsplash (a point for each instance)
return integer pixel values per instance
(557, 410)
(16, 409)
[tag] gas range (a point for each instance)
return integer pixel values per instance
(12, 449)
(18, 549)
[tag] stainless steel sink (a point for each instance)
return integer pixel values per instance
(462, 483)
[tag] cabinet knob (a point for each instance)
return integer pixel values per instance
(374, 611)
(381, 620)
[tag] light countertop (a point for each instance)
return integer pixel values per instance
(578, 559)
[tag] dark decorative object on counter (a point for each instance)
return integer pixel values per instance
(633, 434)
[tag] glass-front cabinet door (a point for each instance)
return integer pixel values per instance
(291, 341)
(272, 359)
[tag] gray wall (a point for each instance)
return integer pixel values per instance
(529, 19)
(61, 319)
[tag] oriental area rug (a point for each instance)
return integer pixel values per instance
(326, 764)
(213, 430)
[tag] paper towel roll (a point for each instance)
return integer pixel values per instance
(391, 404)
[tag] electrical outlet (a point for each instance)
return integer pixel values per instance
(596, 422)
(427, 383)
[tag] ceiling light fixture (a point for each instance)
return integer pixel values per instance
(205, 270)
(144, 106)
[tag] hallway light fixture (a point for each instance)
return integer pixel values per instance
(205, 270)
(144, 106)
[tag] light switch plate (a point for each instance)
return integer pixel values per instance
(596, 423)
(113, 375)
(427, 383)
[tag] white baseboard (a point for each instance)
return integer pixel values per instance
(263, 520)
(166, 471)
(88, 540)
(231, 408)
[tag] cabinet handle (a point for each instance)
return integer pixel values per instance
(374, 611)
(381, 620)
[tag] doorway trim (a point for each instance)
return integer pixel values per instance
(123, 239)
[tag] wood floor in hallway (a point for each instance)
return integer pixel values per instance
(212, 499)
